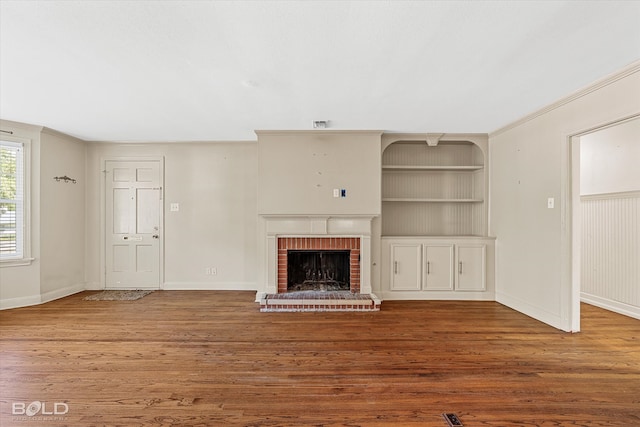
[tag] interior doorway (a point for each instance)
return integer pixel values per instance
(604, 197)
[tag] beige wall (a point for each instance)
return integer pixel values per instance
(215, 186)
(62, 215)
(530, 162)
(297, 172)
(57, 213)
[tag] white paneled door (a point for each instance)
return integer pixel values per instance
(133, 224)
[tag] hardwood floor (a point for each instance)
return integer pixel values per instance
(200, 358)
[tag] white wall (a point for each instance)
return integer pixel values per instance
(610, 159)
(215, 186)
(530, 162)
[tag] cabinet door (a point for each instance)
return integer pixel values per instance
(406, 260)
(438, 268)
(471, 268)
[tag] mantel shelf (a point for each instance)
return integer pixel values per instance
(419, 200)
(431, 168)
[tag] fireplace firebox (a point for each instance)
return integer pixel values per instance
(318, 270)
(347, 275)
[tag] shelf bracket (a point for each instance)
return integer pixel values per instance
(433, 139)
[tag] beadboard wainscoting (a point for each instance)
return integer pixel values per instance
(610, 251)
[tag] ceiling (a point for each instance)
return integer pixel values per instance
(218, 70)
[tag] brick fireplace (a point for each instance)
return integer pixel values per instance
(320, 244)
(291, 234)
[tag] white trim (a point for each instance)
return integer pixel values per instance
(439, 295)
(210, 286)
(632, 68)
(26, 258)
(571, 212)
(610, 196)
(17, 262)
(61, 293)
(534, 312)
(6, 304)
(611, 305)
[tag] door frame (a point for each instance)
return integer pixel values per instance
(572, 232)
(103, 203)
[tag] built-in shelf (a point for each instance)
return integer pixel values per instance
(431, 168)
(417, 200)
(432, 189)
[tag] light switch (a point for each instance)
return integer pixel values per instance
(175, 207)
(551, 202)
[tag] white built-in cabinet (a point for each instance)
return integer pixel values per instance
(429, 266)
(406, 263)
(434, 218)
(437, 273)
(470, 267)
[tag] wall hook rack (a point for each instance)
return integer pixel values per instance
(65, 178)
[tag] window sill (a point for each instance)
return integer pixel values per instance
(19, 262)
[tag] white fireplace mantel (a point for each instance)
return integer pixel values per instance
(275, 226)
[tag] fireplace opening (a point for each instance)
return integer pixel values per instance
(318, 270)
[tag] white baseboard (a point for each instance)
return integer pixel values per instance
(607, 304)
(61, 293)
(6, 304)
(209, 286)
(534, 312)
(435, 296)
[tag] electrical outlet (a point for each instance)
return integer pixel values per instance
(551, 202)
(336, 192)
(214, 271)
(207, 271)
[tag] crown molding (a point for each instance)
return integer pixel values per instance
(630, 69)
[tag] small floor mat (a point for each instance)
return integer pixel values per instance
(128, 295)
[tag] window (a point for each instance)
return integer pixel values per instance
(12, 207)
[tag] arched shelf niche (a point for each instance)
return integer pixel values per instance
(434, 185)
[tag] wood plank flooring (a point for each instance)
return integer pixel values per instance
(200, 358)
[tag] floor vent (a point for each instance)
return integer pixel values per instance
(452, 420)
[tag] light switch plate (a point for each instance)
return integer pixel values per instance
(551, 203)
